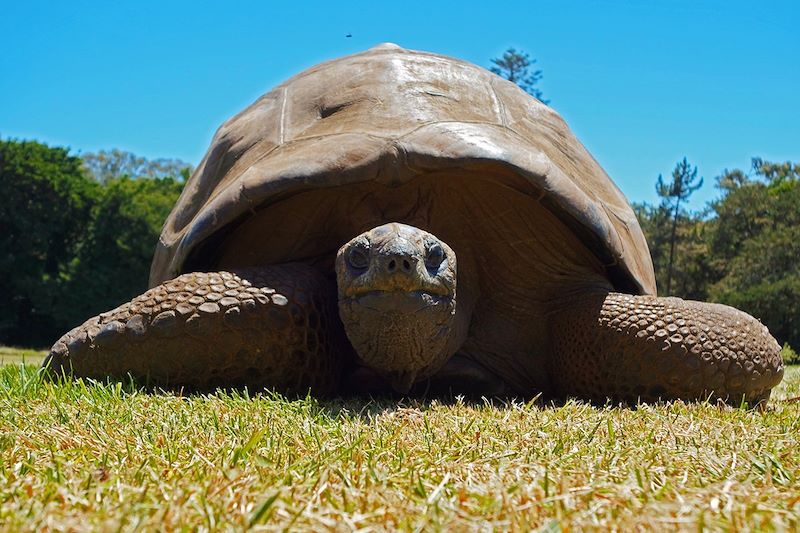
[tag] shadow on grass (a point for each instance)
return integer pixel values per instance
(29, 379)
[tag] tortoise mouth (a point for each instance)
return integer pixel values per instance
(399, 301)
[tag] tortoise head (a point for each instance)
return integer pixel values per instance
(397, 301)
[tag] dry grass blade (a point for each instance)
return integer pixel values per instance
(78, 456)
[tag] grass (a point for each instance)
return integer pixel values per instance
(9, 355)
(77, 456)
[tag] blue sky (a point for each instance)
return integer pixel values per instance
(641, 83)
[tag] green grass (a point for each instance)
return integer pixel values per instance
(10, 355)
(75, 457)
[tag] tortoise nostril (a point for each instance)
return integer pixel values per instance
(401, 264)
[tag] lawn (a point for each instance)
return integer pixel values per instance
(76, 456)
(10, 355)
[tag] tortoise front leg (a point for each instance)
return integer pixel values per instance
(643, 347)
(273, 327)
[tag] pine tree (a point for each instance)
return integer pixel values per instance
(516, 67)
(684, 183)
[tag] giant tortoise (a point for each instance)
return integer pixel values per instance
(402, 221)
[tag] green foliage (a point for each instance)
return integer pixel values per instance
(789, 356)
(108, 164)
(755, 245)
(516, 67)
(113, 262)
(743, 251)
(773, 172)
(684, 183)
(71, 246)
(691, 270)
(44, 213)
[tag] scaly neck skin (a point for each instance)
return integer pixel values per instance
(398, 304)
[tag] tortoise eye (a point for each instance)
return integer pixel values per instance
(358, 256)
(435, 256)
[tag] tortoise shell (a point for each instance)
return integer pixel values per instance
(394, 134)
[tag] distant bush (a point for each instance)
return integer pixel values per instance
(112, 263)
(741, 250)
(75, 238)
(44, 212)
(789, 356)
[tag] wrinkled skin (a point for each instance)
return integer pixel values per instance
(397, 301)
(406, 325)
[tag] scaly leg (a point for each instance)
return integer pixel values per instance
(274, 327)
(627, 348)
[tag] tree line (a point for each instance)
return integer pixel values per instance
(77, 234)
(741, 249)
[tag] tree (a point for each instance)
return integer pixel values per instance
(692, 270)
(112, 264)
(684, 183)
(742, 250)
(107, 164)
(45, 210)
(776, 172)
(755, 243)
(72, 246)
(516, 67)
